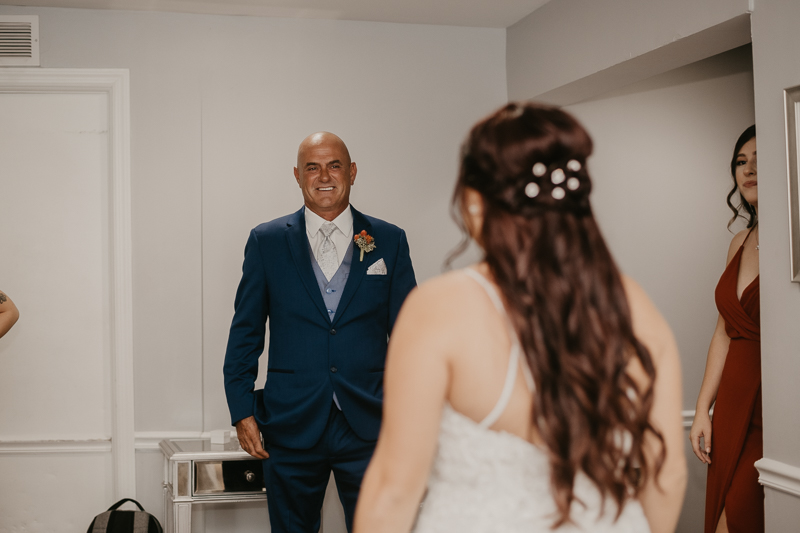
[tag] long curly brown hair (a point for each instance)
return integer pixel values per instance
(565, 297)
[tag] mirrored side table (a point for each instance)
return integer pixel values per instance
(196, 472)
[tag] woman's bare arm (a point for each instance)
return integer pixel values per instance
(715, 362)
(9, 314)
(662, 496)
(415, 387)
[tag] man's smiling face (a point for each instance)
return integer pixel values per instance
(325, 174)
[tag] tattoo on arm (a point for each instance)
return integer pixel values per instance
(3, 298)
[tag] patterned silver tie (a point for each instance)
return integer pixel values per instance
(328, 259)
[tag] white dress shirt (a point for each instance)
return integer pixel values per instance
(341, 236)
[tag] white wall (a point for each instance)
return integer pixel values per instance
(776, 66)
(661, 174)
(402, 107)
(218, 107)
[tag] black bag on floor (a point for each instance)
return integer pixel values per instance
(114, 521)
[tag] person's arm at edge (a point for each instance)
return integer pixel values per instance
(9, 314)
(662, 496)
(715, 362)
(414, 393)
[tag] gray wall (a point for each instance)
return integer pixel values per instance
(661, 172)
(565, 41)
(620, 38)
(776, 66)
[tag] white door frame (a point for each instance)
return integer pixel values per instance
(115, 84)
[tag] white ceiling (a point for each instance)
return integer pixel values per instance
(476, 13)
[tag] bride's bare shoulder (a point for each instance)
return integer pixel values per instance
(447, 282)
(649, 325)
(442, 297)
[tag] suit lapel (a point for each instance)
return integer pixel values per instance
(357, 268)
(298, 246)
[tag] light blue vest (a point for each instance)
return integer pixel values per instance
(332, 290)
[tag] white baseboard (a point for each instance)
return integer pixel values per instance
(688, 417)
(55, 446)
(779, 476)
(144, 441)
(148, 440)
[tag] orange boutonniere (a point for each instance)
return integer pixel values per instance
(365, 242)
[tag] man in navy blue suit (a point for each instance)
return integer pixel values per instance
(331, 304)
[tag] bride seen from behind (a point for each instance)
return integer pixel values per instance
(539, 389)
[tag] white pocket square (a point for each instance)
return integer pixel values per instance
(378, 268)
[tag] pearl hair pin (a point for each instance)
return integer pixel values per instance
(532, 189)
(557, 177)
(573, 183)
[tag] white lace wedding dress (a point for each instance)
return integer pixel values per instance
(491, 481)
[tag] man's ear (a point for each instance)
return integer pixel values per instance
(297, 175)
(353, 172)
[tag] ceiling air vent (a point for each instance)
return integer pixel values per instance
(19, 40)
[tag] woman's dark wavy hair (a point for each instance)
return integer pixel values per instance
(565, 298)
(751, 216)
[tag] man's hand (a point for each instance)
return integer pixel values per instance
(250, 437)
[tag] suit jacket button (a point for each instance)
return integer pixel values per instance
(334, 369)
(333, 331)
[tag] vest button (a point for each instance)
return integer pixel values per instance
(333, 331)
(334, 369)
(329, 291)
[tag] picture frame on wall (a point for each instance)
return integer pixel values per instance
(792, 97)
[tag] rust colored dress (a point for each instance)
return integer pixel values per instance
(736, 435)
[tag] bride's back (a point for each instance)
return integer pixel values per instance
(491, 471)
(481, 354)
(543, 377)
(482, 350)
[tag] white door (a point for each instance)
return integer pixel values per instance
(66, 424)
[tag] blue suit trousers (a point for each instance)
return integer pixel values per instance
(296, 479)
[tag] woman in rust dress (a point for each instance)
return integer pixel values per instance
(732, 443)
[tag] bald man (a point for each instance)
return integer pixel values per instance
(331, 282)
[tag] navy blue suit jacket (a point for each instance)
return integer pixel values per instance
(310, 357)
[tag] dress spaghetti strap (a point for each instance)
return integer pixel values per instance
(513, 359)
